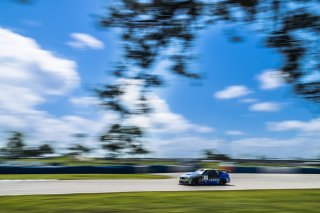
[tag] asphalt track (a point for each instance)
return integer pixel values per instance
(238, 182)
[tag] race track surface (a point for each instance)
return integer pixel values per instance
(238, 182)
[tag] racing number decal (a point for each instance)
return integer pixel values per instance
(205, 178)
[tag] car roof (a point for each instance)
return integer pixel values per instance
(206, 169)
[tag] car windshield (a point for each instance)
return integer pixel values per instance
(199, 171)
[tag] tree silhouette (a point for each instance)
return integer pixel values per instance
(16, 148)
(45, 149)
(157, 30)
(15, 145)
(78, 150)
(213, 155)
(38, 151)
(123, 139)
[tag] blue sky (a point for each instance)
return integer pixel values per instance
(241, 107)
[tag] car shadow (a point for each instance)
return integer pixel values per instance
(207, 185)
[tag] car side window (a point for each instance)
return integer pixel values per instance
(205, 172)
(212, 174)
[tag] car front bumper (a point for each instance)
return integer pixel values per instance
(184, 180)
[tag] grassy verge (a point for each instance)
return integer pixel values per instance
(142, 202)
(80, 176)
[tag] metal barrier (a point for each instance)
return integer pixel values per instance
(118, 169)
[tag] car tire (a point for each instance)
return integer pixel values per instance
(195, 181)
(222, 182)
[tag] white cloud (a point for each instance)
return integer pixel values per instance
(303, 126)
(24, 64)
(266, 107)
(84, 101)
(84, 41)
(302, 147)
(18, 99)
(41, 127)
(161, 119)
(248, 100)
(186, 146)
(234, 132)
(61, 129)
(234, 91)
(29, 76)
(10, 122)
(193, 146)
(312, 77)
(29, 73)
(270, 79)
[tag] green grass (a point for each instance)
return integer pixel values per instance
(143, 202)
(80, 176)
(209, 165)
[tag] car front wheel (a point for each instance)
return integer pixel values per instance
(195, 181)
(222, 182)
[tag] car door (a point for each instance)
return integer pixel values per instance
(205, 176)
(213, 177)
